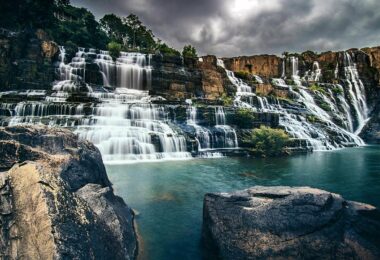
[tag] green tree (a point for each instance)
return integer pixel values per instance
(189, 52)
(114, 27)
(268, 141)
(114, 49)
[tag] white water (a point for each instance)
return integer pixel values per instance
(221, 136)
(296, 124)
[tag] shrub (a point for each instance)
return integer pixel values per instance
(227, 100)
(114, 49)
(268, 141)
(243, 75)
(244, 118)
(337, 90)
(318, 88)
(189, 52)
(325, 106)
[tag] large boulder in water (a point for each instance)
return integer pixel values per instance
(289, 223)
(56, 201)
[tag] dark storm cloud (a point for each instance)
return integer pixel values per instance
(243, 27)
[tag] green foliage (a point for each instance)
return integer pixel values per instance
(227, 100)
(268, 141)
(244, 118)
(114, 27)
(28, 14)
(312, 118)
(318, 88)
(325, 106)
(189, 52)
(337, 90)
(78, 26)
(166, 50)
(243, 74)
(114, 49)
(138, 34)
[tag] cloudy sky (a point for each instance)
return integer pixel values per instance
(245, 27)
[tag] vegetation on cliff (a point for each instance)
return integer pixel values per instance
(72, 26)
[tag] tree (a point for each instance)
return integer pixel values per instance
(114, 49)
(189, 52)
(114, 27)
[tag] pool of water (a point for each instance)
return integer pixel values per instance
(168, 196)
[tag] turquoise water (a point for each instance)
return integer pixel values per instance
(168, 196)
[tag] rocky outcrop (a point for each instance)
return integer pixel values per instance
(371, 131)
(267, 66)
(215, 82)
(56, 201)
(175, 78)
(289, 223)
(26, 61)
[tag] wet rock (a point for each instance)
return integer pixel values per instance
(289, 223)
(57, 202)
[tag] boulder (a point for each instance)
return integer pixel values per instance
(289, 223)
(56, 201)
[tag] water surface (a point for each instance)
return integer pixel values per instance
(169, 195)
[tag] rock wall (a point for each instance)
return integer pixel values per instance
(26, 61)
(289, 223)
(267, 66)
(56, 201)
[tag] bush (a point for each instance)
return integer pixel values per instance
(318, 88)
(166, 50)
(268, 141)
(189, 52)
(114, 49)
(227, 100)
(244, 118)
(337, 90)
(325, 106)
(243, 75)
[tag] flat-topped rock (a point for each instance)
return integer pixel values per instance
(289, 223)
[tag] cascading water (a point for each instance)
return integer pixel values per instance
(298, 124)
(130, 70)
(356, 91)
(124, 124)
(221, 136)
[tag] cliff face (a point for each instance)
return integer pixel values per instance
(56, 200)
(289, 223)
(26, 62)
(267, 66)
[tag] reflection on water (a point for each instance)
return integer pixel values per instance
(169, 195)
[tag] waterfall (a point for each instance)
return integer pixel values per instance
(130, 70)
(295, 76)
(298, 125)
(123, 124)
(356, 91)
(220, 136)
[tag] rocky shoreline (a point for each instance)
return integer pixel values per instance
(56, 199)
(289, 223)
